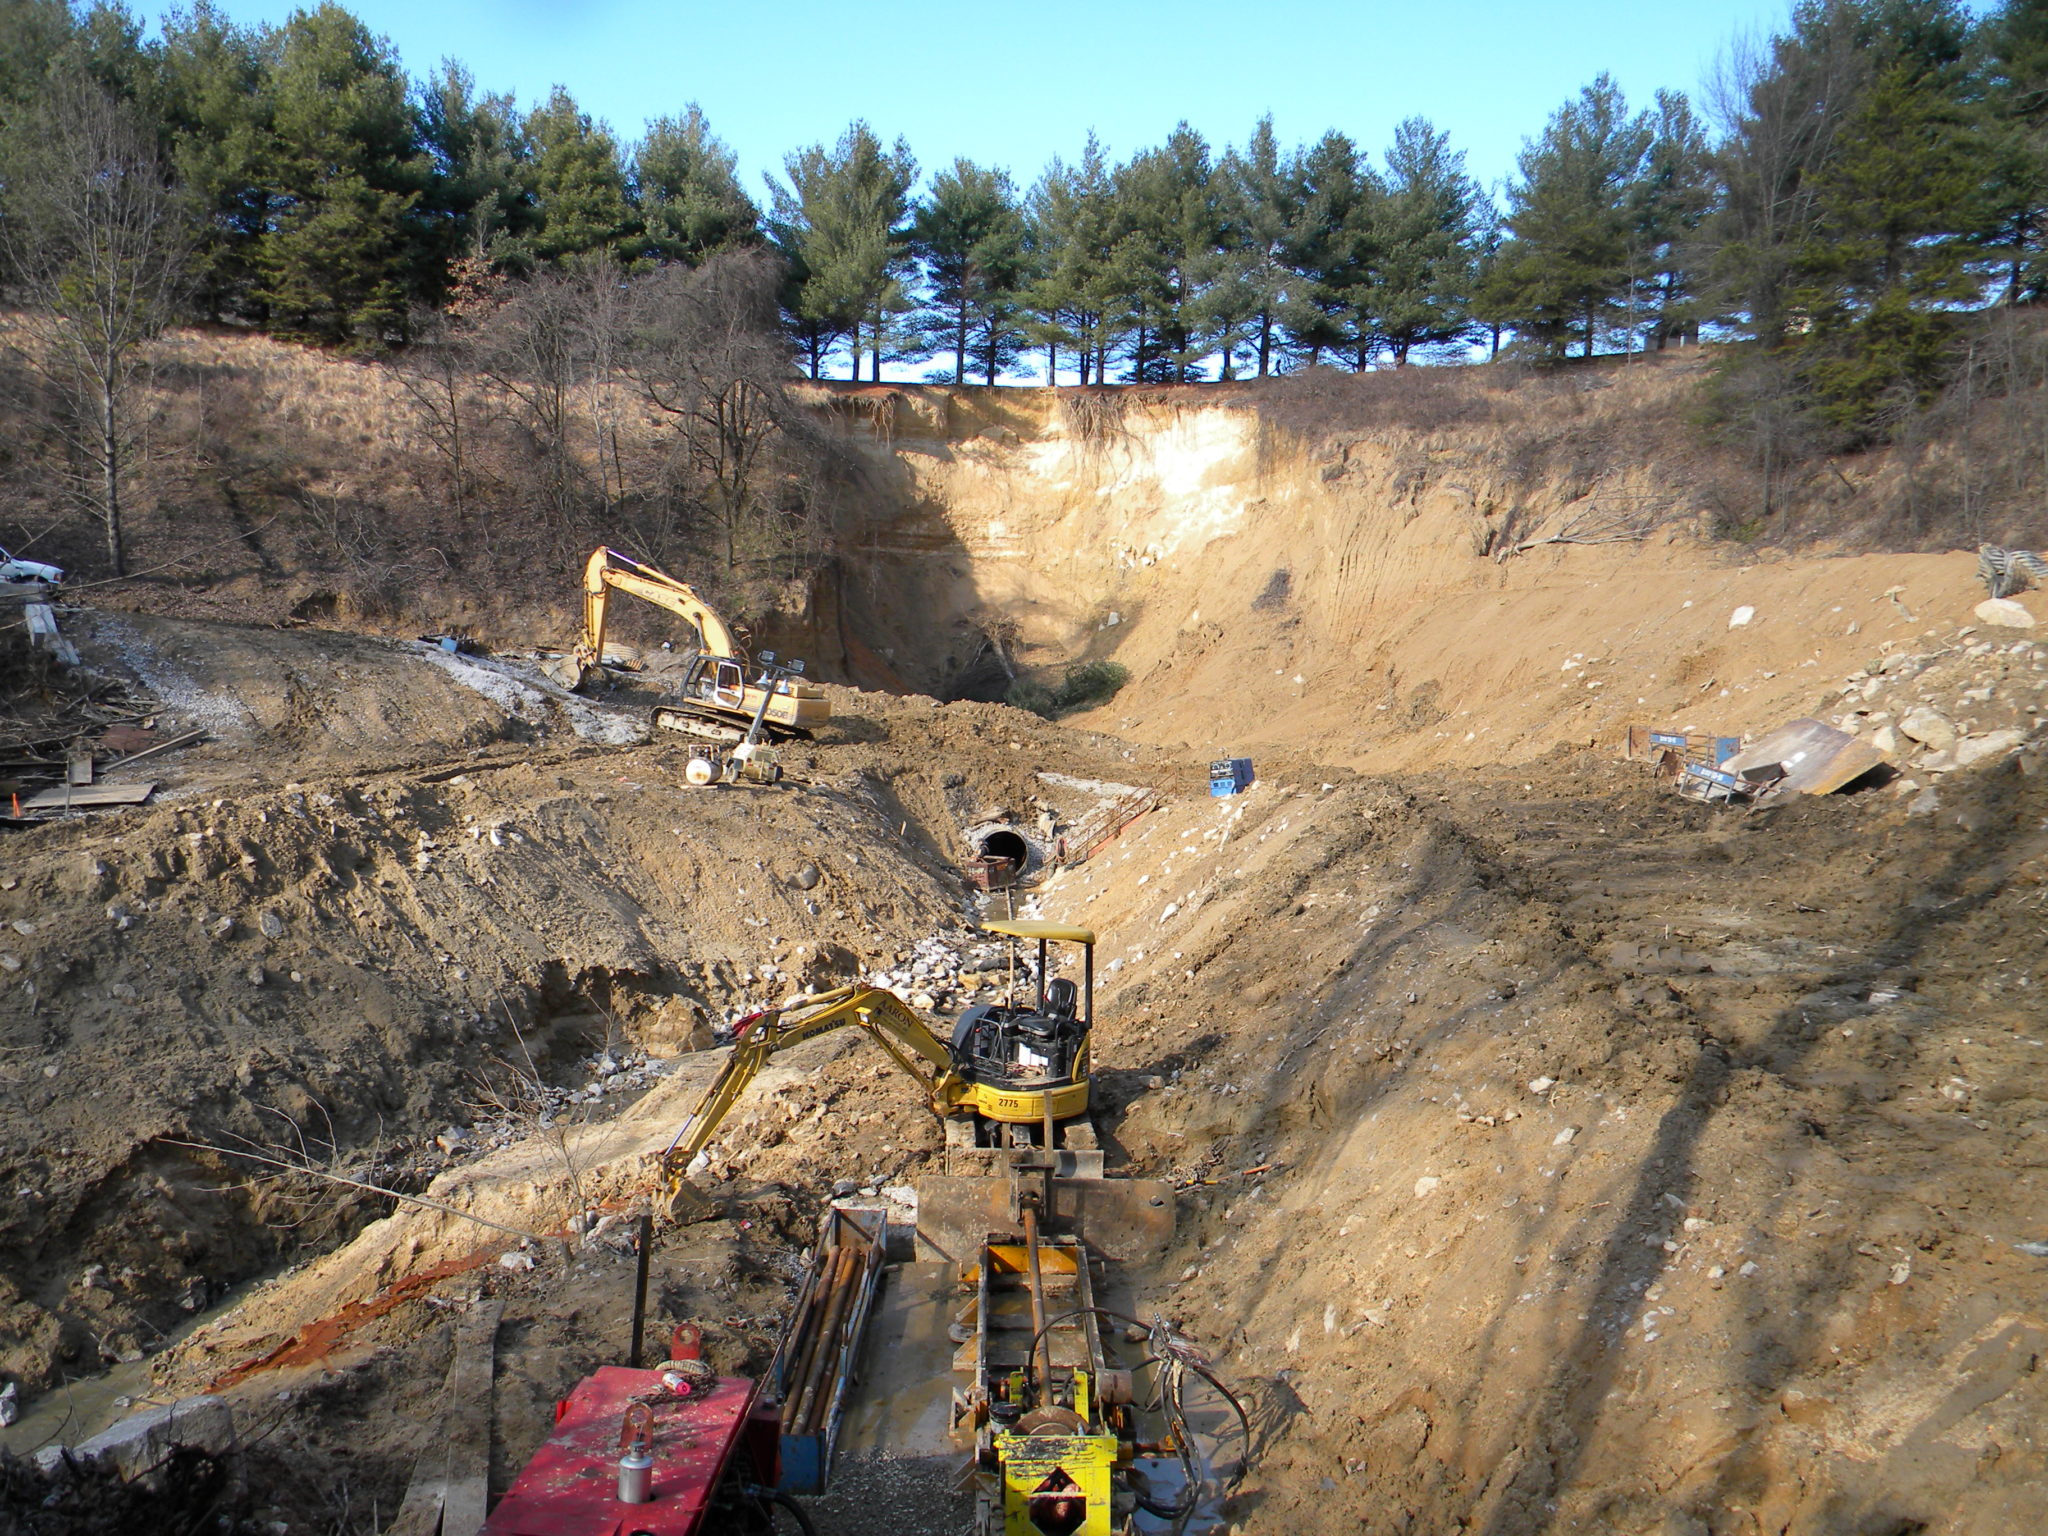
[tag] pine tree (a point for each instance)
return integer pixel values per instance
(1673, 195)
(33, 33)
(341, 258)
(2015, 45)
(686, 185)
(1902, 218)
(578, 183)
(844, 211)
(970, 235)
(1567, 271)
(1425, 256)
(479, 192)
(214, 92)
(1073, 235)
(1172, 229)
(1492, 303)
(1331, 247)
(1261, 210)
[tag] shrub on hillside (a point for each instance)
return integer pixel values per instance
(1086, 683)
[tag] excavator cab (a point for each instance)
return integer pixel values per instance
(1028, 1055)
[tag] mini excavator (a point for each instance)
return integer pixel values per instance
(718, 700)
(1010, 1083)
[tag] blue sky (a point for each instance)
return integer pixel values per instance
(1015, 84)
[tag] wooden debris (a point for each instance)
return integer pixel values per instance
(450, 1480)
(162, 746)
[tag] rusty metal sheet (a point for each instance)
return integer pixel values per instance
(1128, 1220)
(66, 796)
(1817, 759)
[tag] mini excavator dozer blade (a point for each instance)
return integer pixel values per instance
(1126, 1220)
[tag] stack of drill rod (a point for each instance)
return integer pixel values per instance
(823, 1338)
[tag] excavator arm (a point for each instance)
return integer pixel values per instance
(607, 568)
(880, 1012)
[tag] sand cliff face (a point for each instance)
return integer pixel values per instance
(1394, 592)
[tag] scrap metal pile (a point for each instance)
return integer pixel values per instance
(1800, 757)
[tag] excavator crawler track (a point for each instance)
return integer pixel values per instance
(708, 725)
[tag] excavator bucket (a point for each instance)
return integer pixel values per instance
(680, 1203)
(1128, 1220)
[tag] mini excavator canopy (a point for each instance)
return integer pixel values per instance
(1044, 933)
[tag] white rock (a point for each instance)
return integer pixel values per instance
(1542, 1084)
(515, 1262)
(1425, 1184)
(1564, 1137)
(1741, 616)
(1929, 727)
(2004, 612)
(143, 1440)
(1886, 739)
(272, 925)
(1974, 749)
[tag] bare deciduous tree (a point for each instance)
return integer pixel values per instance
(96, 237)
(435, 371)
(708, 355)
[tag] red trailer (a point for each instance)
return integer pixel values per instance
(714, 1449)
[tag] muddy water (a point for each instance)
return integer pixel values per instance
(85, 1405)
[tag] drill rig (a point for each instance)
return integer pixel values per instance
(1071, 1427)
(719, 700)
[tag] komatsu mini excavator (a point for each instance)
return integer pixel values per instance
(719, 700)
(1012, 1075)
(1010, 1085)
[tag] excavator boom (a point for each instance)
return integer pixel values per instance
(909, 1042)
(607, 568)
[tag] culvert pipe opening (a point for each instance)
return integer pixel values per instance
(1002, 843)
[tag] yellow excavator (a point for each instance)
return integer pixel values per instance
(719, 700)
(1012, 1074)
(1010, 1085)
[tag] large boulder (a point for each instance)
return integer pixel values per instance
(142, 1441)
(1930, 727)
(2004, 613)
(1975, 749)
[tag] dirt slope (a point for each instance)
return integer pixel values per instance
(1341, 585)
(1628, 1166)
